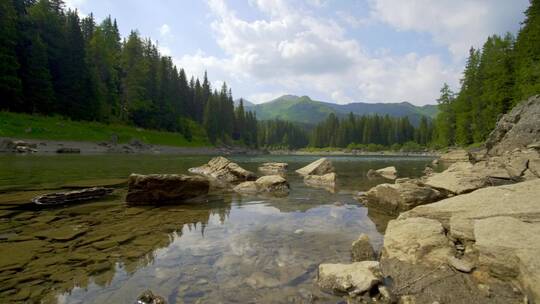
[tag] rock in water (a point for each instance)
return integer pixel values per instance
(164, 188)
(354, 279)
(388, 173)
(148, 297)
(395, 198)
(72, 196)
(361, 249)
(68, 150)
(267, 184)
(319, 167)
(516, 129)
(224, 170)
(273, 168)
(327, 180)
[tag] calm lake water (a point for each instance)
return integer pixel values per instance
(232, 249)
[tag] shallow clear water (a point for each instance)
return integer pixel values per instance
(232, 249)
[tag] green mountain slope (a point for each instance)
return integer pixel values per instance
(305, 110)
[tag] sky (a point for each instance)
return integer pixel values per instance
(338, 51)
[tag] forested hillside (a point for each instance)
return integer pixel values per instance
(504, 72)
(53, 63)
(307, 111)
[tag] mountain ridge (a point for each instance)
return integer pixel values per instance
(305, 110)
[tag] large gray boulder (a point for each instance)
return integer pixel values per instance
(395, 198)
(353, 279)
(265, 184)
(157, 189)
(224, 170)
(319, 167)
(516, 129)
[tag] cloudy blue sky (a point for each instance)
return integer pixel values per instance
(332, 50)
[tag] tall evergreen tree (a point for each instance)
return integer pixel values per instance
(527, 54)
(10, 83)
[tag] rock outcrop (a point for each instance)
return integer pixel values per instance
(224, 170)
(164, 188)
(516, 129)
(352, 279)
(495, 229)
(319, 167)
(457, 155)
(399, 197)
(266, 184)
(72, 196)
(17, 146)
(273, 168)
(388, 173)
(362, 250)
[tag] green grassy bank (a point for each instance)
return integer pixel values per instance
(27, 126)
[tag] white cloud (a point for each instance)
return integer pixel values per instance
(165, 30)
(293, 50)
(457, 24)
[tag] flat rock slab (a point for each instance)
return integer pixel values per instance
(62, 234)
(354, 279)
(457, 214)
(319, 167)
(416, 240)
(328, 180)
(510, 248)
(164, 188)
(72, 196)
(273, 168)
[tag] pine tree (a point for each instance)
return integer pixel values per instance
(446, 119)
(10, 83)
(527, 54)
(470, 88)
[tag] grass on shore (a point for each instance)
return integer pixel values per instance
(26, 126)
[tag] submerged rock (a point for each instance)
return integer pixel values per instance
(395, 198)
(66, 150)
(353, 279)
(224, 170)
(388, 173)
(274, 168)
(268, 184)
(516, 129)
(164, 188)
(319, 167)
(362, 250)
(72, 196)
(148, 297)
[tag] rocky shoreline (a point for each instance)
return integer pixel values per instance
(469, 234)
(39, 146)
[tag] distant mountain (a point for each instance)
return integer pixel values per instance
(305, 110)
(247, 103)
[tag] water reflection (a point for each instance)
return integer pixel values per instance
(230, 249)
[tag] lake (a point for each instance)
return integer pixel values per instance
(231, 249)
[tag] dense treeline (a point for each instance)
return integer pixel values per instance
(280, 134)
(371, 129)
(51, 62)
(504, 72)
